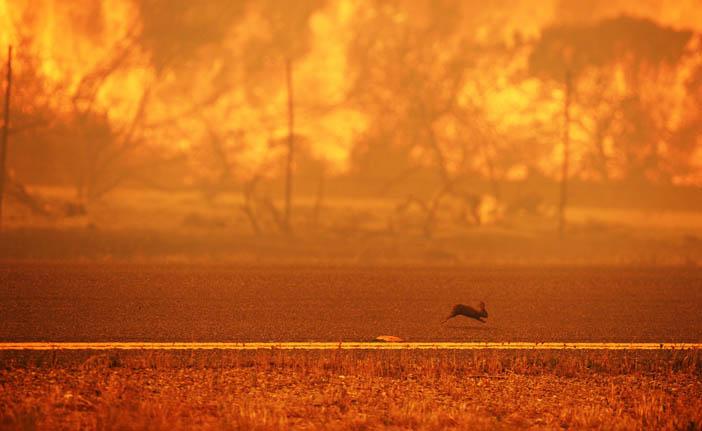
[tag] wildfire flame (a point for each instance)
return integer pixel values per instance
(72, 41)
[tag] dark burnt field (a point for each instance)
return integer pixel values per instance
(109, 302)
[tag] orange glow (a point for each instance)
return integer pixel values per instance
(71, 40)
(181, 103)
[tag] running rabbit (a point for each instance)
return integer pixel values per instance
(468, 311)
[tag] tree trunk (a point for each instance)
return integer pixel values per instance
(5, 128)
(291, 146)
(566, 153)
(319, 199)
(492, 175)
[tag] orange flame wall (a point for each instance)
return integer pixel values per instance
(74, 40)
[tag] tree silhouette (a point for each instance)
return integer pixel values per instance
(565, 53)
(288, 40)
(418, 70)
(250, 42)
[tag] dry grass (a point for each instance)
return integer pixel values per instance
(351, 390)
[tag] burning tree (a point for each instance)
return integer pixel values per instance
(419, 72)
(235, 50)
(620, 52)
(71, 120)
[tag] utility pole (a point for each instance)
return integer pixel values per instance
(566, 153)
(291, 145)
(5, 127)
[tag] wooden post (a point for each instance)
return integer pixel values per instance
(5, 128)
(566, 153)
(291, 146)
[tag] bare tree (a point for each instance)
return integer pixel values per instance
(413, 96)
(565, 53)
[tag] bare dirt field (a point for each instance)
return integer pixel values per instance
(117, 302)
(351, 390)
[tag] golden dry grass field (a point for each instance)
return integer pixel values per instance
(351, 390)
